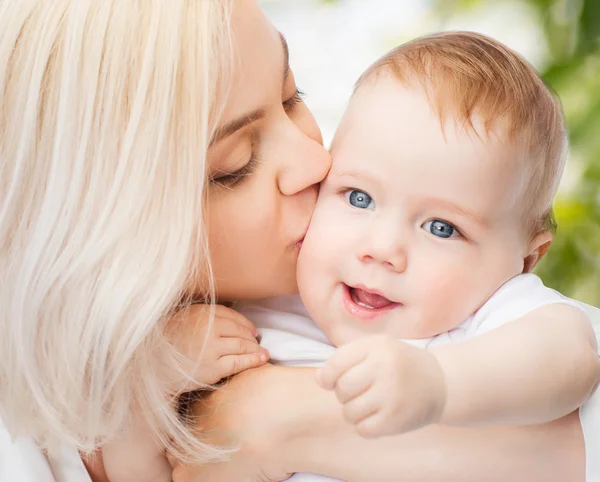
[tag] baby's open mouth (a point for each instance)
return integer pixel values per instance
(368, 300)
(362, 303)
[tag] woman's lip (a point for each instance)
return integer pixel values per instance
(300, 239)
(298, 244)
(361, 312)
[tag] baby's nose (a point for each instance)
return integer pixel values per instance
(392, 257)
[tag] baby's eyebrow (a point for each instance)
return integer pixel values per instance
(357, 174)
(459, 210)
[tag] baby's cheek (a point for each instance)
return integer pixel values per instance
(454, 301)
(316, 262)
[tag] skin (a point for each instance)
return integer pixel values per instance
(396, 177)
(263, 189)
(255, 225)
(278, 430)
(310, 435)
(417, 211)
(255, 220)
(262, 192)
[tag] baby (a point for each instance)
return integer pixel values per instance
(436, 208)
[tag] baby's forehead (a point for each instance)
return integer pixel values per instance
(414, 97)
(385, 112)
(473, 84)
(416, 155)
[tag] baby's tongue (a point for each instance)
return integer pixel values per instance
(370, 299)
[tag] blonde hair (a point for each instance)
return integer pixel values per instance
(106, 112)
(467, 74)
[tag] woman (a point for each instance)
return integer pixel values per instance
(143, 144)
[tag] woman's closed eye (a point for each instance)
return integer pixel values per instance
(359, 199)
(441, 229)
(232, 179)
(290, 103)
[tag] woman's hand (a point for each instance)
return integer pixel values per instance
(247, 414)
(212, 354)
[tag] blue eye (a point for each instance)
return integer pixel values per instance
(441, 229)
(359, 199)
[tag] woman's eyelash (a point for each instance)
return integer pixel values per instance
(232, 179)
(294, 100)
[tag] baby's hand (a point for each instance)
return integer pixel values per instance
(231, 345)
(386, 386)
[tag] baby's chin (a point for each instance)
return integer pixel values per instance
(343, 334)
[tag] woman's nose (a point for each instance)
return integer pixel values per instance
(306, 161)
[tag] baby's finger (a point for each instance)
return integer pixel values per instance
(354, 382)
(227, 328)
(372, 426)
(231, 364)
(238, 346)
(343, 359)
(361, 407)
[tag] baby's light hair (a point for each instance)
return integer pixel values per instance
(467, 74)
(106, 112)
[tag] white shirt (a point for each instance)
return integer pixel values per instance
(21, 460)
(293, 339)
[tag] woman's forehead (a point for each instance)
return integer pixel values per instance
(260, 61)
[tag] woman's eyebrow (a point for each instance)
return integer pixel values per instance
(237, 124)
(286, 57)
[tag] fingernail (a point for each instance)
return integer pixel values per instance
(263, 357)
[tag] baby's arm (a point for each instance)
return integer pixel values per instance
(231, 348)
(535, 369)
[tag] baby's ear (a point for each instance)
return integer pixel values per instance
(538, 247)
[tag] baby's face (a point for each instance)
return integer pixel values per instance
(415, 227)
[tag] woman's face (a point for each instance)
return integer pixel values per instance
(264, 163)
